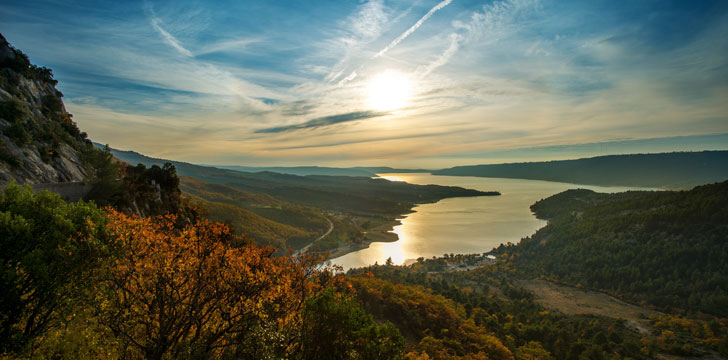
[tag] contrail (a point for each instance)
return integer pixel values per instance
(444, 57)
(171, 40)
(414, 27)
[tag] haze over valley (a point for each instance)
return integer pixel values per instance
(447, 179)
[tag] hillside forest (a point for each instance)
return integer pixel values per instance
(140, 268)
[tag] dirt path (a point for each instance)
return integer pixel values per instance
(570, 300)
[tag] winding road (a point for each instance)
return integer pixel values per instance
(305, 248)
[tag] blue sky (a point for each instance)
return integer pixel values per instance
(302, 82)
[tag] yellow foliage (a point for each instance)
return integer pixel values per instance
(172, 291)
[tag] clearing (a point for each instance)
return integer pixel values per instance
(571, 300)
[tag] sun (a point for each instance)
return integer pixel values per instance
(389, 90)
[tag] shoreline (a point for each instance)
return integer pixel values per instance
(384, 232)
(381, 233)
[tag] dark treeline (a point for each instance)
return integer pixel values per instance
(429, 304)
(667, 249)
(672, 170)
(452, 313)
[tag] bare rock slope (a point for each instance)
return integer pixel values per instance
(39, 142)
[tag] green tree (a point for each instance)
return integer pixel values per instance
(103, 173)
(336, 327)
(533, 350)
(47, 249)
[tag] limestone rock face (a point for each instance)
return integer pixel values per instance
(39, 143)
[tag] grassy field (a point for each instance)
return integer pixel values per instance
(570, 300)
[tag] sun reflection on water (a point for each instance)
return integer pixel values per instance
(462, 225)
(389, 177)
(385, 250)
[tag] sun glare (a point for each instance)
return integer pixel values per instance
(389, 90)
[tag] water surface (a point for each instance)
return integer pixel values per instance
(464, 225)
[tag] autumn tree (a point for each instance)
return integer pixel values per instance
(439, 324)
(189, 293)
(532, 350)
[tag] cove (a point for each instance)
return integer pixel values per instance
(464, 225)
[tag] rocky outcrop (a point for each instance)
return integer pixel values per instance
(66, 167)
(39, 143)
(150, 191)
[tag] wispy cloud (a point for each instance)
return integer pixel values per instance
(361, 28)
(171, 40)
(226, 45)
(412, 28)
(491, 22)
(350, 77)
(205, 81)
(324, 121)
(354, 73)
(443, 58)
(367, 24)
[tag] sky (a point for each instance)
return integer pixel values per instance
(422, 84)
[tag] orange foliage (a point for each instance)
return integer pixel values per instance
(440, 324)
(189, 291)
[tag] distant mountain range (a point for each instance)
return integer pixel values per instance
(288, 210)
(674, 170)
(665, 170)
(331, 192)
(134, 157)
(319, 170)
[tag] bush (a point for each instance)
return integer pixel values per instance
(21, 65)
(336, 327)
(13, 110)
(48, 248)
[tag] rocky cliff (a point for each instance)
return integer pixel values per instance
(40, 145)
(39, 142)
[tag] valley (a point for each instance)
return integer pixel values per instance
(291, 211)
(161, 259)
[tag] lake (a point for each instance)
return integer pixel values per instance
(464, 225)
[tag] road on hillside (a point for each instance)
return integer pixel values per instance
(305, 248)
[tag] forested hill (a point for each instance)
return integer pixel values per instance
(664, 248)
(290, 211)
(134, 157)
(335, 193)
(670, 170)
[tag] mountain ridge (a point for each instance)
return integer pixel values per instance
(367, 171)
(670, 170)
(667, 170)
(363, 209)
